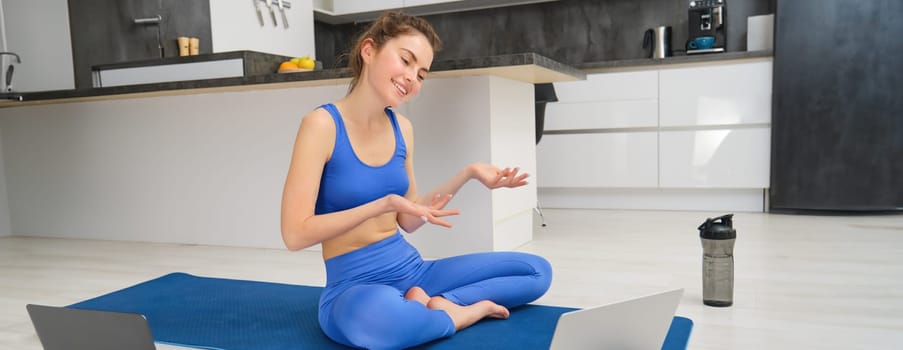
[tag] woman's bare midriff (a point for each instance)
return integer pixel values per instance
(368, 232)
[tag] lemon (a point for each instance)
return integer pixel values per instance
(303, 62)
(307, 63)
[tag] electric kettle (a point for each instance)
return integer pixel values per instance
(657, 42)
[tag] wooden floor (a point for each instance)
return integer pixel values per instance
(811, 282)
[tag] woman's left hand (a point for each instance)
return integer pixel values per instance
(493, 177)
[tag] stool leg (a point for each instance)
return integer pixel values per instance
(538, 209)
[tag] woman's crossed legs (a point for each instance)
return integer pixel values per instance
(451, 294)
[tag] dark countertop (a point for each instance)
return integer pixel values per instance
(539, 69)
(645, 63)
(253, 62)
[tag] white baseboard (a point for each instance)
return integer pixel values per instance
(744, 200)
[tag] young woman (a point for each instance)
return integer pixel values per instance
(350, 186)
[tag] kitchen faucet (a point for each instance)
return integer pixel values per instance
(154, 21)
(9, 70)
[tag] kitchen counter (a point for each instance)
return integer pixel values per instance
(210, 155)
(646, 63)
(213, 164)
(525, 67)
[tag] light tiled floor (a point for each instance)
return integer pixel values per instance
(825, 282)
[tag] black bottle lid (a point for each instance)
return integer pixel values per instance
(718, 228)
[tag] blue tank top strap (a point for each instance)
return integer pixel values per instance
(336, 117)
(342, 143)
(400, 147)
(342, 137)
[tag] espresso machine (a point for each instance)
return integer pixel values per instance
(707, 27)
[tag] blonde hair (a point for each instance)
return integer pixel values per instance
(383, 29)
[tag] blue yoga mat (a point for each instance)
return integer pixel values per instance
(216, 313)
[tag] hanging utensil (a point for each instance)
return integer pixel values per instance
(259, 12)
(282, 11)
(270, 5)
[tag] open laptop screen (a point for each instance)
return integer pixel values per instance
(62, 328)
(639, 323)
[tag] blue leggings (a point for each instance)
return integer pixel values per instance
(363, 304)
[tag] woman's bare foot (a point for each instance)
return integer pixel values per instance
(464, 316)
(417, 294)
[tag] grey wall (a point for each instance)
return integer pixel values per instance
(39, 32)
(103, 31)
(4, 203)
(5, 226)
(570, 31)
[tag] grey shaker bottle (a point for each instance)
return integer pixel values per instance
(718, 235)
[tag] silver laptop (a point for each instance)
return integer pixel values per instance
(640, 323)
(62, 328)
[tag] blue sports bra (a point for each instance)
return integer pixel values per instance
(348, 182)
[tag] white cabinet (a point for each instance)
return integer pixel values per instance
(226, 68)
(356, 6)
(663, 129)
(588, 152)
(347, 11)
(723, 158)
(725, 94)
(598, 160)
(428, 2)
(602, 101)
(601, 114)
(610, 87)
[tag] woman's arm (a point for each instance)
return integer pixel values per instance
(434, 201)
(301, 228)
(313, 147)
(409, 221)
(489, 175)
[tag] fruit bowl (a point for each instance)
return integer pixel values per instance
(294, 70)
(297, 64)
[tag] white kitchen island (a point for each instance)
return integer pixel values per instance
(204, 162)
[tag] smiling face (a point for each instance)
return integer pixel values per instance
(396, 71)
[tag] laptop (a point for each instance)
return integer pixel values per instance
(640, 323)
(62, 328)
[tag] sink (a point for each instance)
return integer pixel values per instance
(206, 66)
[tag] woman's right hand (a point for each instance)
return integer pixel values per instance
(493, 177)
(430, 213)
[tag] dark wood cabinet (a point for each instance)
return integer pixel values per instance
(837, 121)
